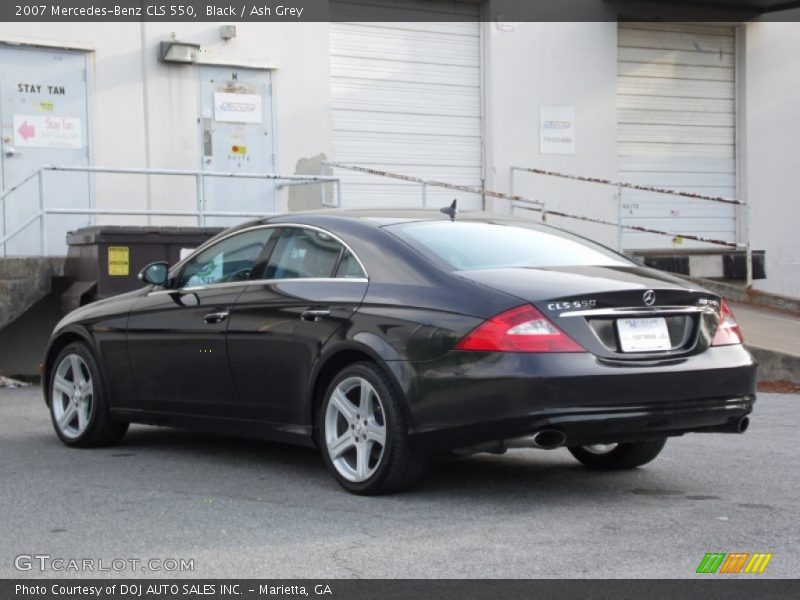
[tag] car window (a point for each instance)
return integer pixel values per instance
(474, 245)
(229, 260)
(303, 253)
(349, 267)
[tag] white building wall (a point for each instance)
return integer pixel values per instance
(525, 65)
(571, 64)
(770, 163)
(164, 133)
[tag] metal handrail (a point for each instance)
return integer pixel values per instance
(620, 185)
(520, 202)
(434, 183)
(200, 213)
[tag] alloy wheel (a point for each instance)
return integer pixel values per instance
(355, 429)
(72, 396)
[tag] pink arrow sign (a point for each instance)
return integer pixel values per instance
(26, 131)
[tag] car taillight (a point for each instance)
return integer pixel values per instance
(728, 331)
(521, 329)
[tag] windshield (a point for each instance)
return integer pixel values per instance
(472, 245)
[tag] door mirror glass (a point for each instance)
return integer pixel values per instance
(155, 273)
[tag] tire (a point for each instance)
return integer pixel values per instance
(85, 399)
(620, 457)
(352, 425)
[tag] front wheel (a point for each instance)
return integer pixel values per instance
(363, 433)
(614, 457)
(79, 400)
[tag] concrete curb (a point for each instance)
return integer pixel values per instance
(776, 366)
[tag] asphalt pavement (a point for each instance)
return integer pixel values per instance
(241, 508)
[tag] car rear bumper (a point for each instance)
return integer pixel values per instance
(473, 398)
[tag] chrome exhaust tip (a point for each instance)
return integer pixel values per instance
(739, 426)
(547, 439)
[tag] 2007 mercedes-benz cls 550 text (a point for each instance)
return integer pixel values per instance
(388, 337)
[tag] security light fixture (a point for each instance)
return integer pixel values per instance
(174, 51)
(227, 32)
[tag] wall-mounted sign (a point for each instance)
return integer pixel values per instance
(39, 131)
(557, 129)
(237, 108)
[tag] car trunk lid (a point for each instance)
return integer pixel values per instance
(617, 313)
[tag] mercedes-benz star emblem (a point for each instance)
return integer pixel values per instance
(649, 298)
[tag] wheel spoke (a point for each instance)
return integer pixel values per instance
(376, 433)
(344, 406)
(365, 400)
(77, 373)
(83, 414)
(340, 445)
(66, 418)
(86, 389)
(62, 385)
(362, 459)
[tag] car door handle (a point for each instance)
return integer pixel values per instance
(216, 317)
(315, 315)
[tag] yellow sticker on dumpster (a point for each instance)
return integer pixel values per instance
(119, 260)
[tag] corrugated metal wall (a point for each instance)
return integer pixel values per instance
(407, 98)
(676, 128)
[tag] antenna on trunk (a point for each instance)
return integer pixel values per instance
(451, 211)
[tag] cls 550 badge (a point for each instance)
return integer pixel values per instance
(571, 304)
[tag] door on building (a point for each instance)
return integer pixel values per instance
(43, 120)
(236, 136)
(406, 98)
(676, 93)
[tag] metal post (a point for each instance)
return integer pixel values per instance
(424, 195)
(749, 250)
(338, 203)
(42, 214)
(511, 181)
(619, 217)
(201, 200)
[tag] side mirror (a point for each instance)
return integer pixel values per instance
(155, 273)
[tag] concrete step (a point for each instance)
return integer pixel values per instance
(20, 267)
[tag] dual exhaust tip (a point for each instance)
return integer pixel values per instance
(549, 439)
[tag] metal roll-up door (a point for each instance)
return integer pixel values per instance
(676, 129)
(407, 98)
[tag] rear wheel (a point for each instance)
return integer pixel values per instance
(79, 401)
(363, 434)
(613, 457)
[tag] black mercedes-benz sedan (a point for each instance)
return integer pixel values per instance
(387, 337)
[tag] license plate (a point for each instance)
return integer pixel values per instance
(643, 335)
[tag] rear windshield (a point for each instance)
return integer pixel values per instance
(468, 245)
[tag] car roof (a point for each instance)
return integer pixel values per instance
(392, 216)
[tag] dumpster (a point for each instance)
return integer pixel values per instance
(103, 261)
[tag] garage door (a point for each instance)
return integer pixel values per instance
(676, 129)
(407, 99)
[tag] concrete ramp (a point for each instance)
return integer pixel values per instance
(773, 336)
